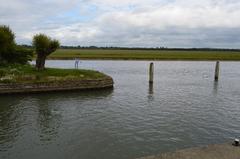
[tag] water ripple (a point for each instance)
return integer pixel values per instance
(183, 108)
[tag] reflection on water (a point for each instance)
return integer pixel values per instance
(49, 115)
(9, 121)
(183, 108)
(215, 86)
(49, 119)
(150, 92)
(39, 113)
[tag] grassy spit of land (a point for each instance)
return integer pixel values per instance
(28, 74)
(116, 54)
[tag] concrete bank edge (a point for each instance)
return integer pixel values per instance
(12, 88)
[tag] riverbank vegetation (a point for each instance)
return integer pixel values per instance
(28, 74)
(15, 67)
(146, 54)
(9, 51)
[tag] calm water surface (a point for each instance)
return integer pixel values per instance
(184, 108)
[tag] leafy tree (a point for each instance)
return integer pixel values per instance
(44, 46)
(21, 55)
(9, 51)
(7, 43)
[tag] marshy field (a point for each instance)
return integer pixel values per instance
(118, 54)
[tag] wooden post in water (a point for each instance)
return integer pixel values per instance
(217, 71)
(151, 73)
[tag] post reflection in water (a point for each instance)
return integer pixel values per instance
(150, 92)
(215, 87)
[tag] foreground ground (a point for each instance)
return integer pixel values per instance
(224, 151)
(27, 73)
(144, 54)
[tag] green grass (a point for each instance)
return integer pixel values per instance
(144, 54)
(28, 74)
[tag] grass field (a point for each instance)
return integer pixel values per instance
(144, 54)
(28, 74)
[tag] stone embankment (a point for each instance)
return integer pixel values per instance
(222, 151)
(9, 88)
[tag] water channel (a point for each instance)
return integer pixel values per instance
(184, 108)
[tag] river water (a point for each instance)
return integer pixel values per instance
(184, 108)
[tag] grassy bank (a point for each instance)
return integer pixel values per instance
(144, 54)
(28, 74)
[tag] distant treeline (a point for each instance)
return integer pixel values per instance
(141, 48)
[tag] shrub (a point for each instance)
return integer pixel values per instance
(22, 55)
(9, 51)
(2, 73)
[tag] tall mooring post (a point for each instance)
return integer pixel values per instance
(217, 71)
(151, 68)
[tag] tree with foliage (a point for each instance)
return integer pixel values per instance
(44, 46)
(9, 51)
(21, 55)
(7, 43)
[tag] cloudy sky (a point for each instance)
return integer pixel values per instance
(130, 23)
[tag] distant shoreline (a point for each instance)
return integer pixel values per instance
(140, 55)
(119, 59)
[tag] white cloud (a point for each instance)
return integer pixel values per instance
(173, 23)
(179, 14)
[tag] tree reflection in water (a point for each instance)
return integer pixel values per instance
(10, 113)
